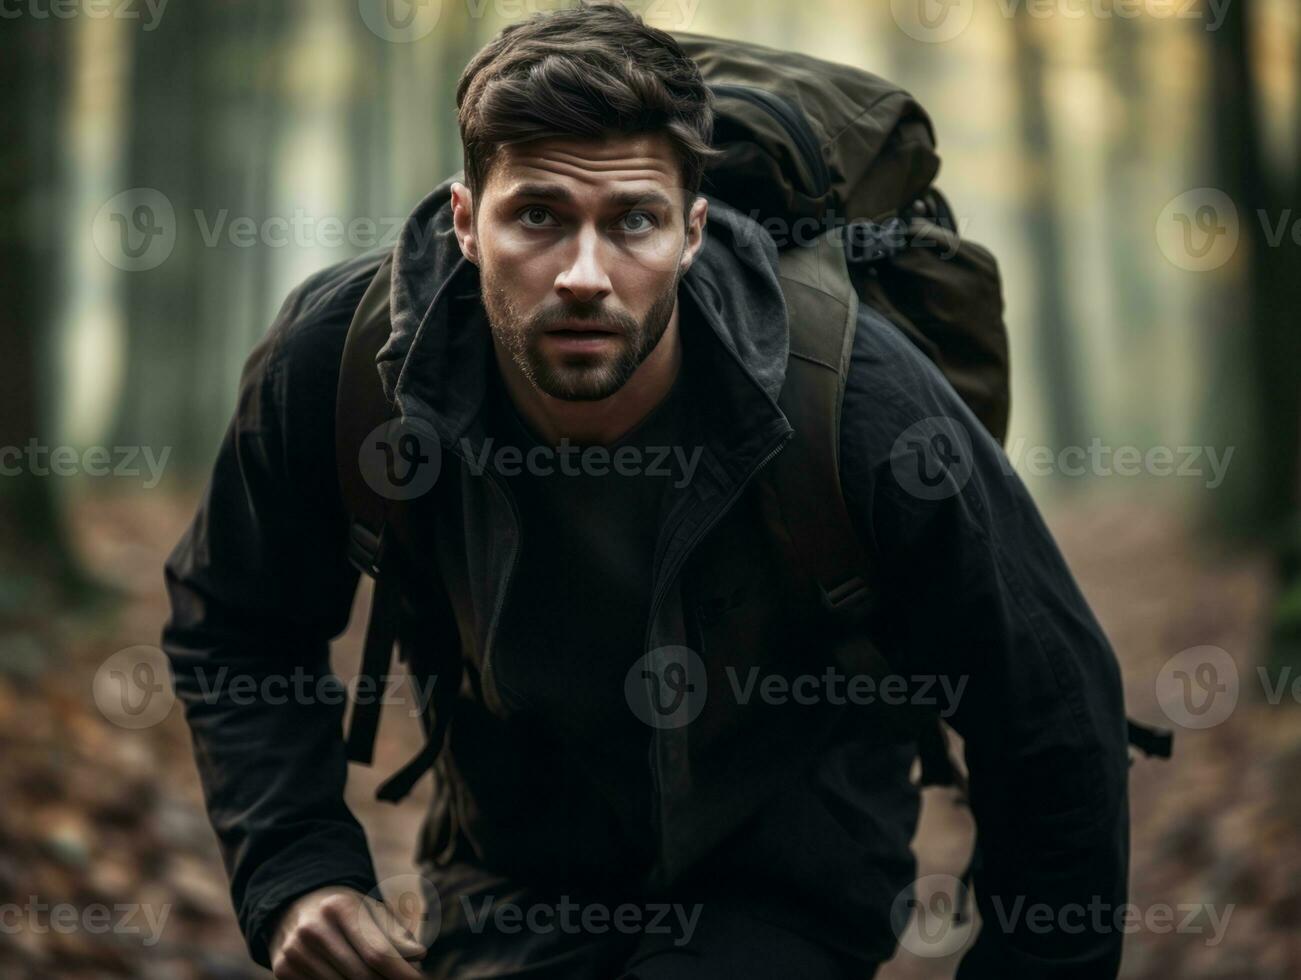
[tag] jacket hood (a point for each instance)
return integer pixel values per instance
(433, 363)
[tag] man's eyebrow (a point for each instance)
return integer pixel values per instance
(555, 192)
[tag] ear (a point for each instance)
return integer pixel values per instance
(695, 236)
(463, 221)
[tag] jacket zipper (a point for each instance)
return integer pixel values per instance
(657, 600)
(795, 123)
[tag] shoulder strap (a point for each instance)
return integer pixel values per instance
(822, 307)
(362, 408)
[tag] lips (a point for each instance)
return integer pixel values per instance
(577, 327)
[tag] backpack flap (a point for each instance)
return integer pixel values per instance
(945, 293)
(803, 137)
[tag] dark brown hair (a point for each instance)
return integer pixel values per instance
(588, 71)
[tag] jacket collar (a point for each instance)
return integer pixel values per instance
(735, 345)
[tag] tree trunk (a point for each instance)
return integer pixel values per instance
(1057, 363)
(33, 543)
(1261, 497)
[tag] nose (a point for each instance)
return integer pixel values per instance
(584, 279)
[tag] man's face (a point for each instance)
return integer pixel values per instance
(580, 246)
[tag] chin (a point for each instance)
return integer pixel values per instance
(578, 384)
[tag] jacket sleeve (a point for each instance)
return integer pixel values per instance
(975, 592)
(258, 585)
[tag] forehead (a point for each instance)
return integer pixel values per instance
(589, 166)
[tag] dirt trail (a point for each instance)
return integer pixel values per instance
(96, 815)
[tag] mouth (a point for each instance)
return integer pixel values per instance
(580, 329)
(580, 336)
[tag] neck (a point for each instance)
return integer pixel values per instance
(600, 422)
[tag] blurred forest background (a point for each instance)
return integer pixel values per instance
(170, 171)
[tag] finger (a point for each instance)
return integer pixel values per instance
(302, 962)
(335, 948)
(399, 935)
(372, 938)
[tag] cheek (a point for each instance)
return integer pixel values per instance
(642, 287)
(657, 257)
(518, 268)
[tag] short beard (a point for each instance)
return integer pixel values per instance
(576, 377)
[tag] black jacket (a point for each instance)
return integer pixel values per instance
(972, 585)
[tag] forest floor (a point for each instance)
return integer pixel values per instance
(102, 830)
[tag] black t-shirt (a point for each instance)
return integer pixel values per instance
(575, 619)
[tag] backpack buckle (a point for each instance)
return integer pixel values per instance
(1153, 742)
(869, 241)
(848, 596)
(364, 548)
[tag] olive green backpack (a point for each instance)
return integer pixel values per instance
(838, 164)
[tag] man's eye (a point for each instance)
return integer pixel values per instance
(638, 222)
(535, 217)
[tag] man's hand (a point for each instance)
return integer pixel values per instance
(338, 933)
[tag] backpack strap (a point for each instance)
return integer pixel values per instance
(361, 408)
(822, 308)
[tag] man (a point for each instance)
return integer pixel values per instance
(568, 296)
